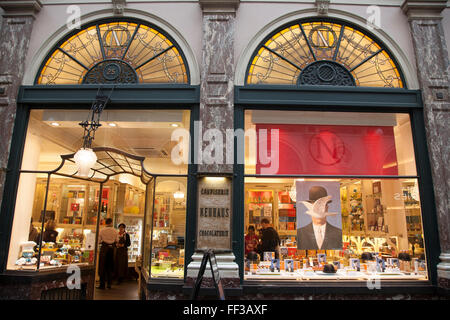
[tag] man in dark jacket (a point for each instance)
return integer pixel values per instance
(270, 239)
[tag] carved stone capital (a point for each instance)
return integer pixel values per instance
(322, 6)
(219, 6)
(20, 7)
(424, 9)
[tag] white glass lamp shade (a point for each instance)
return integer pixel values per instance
(85, 160)
(178, 195)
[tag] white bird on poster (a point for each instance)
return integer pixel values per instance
(318, 208)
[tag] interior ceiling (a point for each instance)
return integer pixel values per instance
(143, 133)
(322, 118)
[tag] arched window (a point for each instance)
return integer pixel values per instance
(117, 51)
(321, 52)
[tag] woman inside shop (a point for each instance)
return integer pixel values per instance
(121, 264)
(50, 234)
(251, 241)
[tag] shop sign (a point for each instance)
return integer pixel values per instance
(214, 213)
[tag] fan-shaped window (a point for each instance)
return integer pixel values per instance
(115, 52)
(323, 53)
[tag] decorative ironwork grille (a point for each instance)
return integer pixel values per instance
(292, 54)
(115, 52)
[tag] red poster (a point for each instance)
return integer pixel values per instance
(331, 149)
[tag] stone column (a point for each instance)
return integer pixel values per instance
(217, 114)
(216, 88)
(433, 70)
(15, 34)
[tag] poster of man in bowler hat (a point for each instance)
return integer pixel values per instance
(319, 224)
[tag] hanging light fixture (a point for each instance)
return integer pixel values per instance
(85, 158)
(179, 194)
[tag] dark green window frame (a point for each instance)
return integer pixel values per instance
(143, 96)
(339, 99)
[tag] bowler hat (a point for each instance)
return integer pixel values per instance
(317, 192)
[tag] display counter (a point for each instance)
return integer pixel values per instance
(339, 275)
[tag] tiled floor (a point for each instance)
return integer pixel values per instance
(127, 290)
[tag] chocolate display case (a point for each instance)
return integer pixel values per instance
(73, 205)
(167, 257)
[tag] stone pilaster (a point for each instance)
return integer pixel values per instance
(15, 33)
(433, 70)
(216, 115)
(216, 88)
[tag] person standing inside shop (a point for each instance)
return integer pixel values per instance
(270, 240)
(121, 262)
(33, 234)
(251, 241)
(107, 239)
(50, 234)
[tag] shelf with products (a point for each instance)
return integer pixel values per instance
(106, 202)
(134, 229)
(356, 213)
(287, 214)
(260, 206)
(352, 206)
(301, 265)
(375, 209)
(167, 259)
(70, 202)
(411, 203)
(162, 208)
(129, 209)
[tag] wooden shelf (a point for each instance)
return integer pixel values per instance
(261, 202)
(288, 232)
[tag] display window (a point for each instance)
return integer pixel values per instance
(331, 196)
(58, 213)
(115, 52)
(168, 228)
(320, 52)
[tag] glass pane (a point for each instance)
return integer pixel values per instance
(75, 203)
(145, 133)
(148, 226)
(129, 209)
(66, 239)
(328, 143)
(365, 228)
(169, 227)
(285, 55)
(134, 50)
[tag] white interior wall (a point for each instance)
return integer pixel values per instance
(25, 196)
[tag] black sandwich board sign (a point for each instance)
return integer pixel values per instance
(210, 257)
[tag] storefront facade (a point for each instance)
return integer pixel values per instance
(283, 105)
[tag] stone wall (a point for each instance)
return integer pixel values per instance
(30, 286)
(433, 70)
